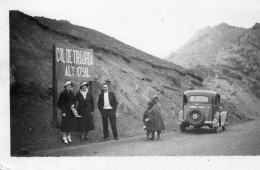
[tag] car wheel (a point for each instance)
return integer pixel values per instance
(216, 129)
(182, 128)
(196, 118)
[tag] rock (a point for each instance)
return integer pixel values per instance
(136, 88)
(170, 87)
(127, 96)
(233, 93)
(99, 56)
(160, 90)
(125, 109)
(254, 68)
(147, 79)
(96, 77)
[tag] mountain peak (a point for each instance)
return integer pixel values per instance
(223, 25)
(205, 44)
(256, 26)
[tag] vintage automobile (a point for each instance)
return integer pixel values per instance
(202, 108)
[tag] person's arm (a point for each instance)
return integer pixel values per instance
(100, 102)
(73, 105)
(76, 101)
(115, 101)
(144, 116)
(61, 101)
(61, 104)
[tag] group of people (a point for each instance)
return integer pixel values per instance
(77, 113)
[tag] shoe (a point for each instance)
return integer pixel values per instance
(106, 139)
(117, 138)
(69, 140)
(65, 141)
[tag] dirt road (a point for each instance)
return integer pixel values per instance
(240, 139)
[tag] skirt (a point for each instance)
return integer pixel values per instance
(85, 123)
(68, 124)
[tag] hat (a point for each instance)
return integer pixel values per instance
(155, 96)
(67, 83)
(83, 83)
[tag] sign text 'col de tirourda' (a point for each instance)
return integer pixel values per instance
(74, 64)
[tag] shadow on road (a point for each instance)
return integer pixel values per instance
(200, 131)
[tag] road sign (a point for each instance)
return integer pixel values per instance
(70, 63)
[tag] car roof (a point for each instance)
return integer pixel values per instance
(200, 92)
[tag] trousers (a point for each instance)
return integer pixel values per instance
(109, 114)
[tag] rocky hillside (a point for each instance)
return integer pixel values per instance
(228, 58)
(134, 76)
(238, 64)
(204, 46)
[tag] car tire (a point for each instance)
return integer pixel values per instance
(224, 127)
(182, 128)
(216, 129)
(196, 122)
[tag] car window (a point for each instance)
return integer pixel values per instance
(202, 99)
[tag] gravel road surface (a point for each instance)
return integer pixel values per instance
(239, 139)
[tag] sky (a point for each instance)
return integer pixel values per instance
(157, 27)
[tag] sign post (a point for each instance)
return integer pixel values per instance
(54, 90)
(70, 64)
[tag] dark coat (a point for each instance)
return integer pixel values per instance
(84, 108)
(155, 121)
(147, 119)
(65, 101)
(112, 101)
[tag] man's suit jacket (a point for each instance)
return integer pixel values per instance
(112, 101)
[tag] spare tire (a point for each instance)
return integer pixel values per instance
(196, 118)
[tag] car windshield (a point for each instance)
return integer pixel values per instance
(202, 99)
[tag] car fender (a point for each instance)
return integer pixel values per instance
(181, 116)
(223, 117)
(216, 120)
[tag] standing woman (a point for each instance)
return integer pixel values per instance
(66, 103)
(158, 117)
(85, 109)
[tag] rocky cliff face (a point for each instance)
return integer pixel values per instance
(204, 46)
(228, 59)
(134, 77)
(238, 63)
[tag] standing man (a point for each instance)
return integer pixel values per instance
(107, 105)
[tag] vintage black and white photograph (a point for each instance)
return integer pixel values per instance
(130, 80)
